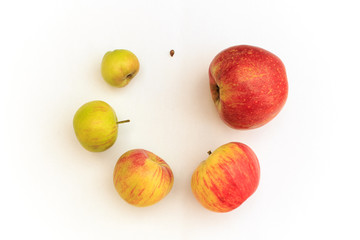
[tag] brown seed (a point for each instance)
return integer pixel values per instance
(172, 52)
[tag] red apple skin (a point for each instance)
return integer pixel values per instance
(248, 86)
(228, 177)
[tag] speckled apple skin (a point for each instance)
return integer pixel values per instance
(248, 85)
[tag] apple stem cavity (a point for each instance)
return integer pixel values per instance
(123, 121)
(209, 152)
(217, 93)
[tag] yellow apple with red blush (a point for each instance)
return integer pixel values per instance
(96, 126)
(119, 67)
(228, 177)
(142, 178)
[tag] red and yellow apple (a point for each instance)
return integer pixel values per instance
(142, 178)
(228, 177)
(248, 86)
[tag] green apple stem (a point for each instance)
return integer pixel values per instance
(123, 121)
(209, 152)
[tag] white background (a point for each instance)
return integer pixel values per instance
(50, 53)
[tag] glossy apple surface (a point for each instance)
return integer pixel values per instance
(142, 178)
(228, 177)
(118, 67)
(248, 86)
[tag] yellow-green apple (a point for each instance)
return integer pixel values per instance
(248, 86)
(118, 67)
(226, 178)
(142, 178)
(96, 126)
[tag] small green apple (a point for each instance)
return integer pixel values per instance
(118, 67)
(96, 126)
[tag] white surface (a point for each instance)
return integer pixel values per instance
(51, 188)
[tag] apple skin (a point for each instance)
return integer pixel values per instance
(118, 67)
(95, 125)
(228, 177)
(248, 86)
(142, 178)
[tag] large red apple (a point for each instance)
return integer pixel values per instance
(248, 85)
(227, 178)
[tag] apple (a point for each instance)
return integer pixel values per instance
(142, 178)
(96, 126)
(118, 67)
(228, 177)
(248, 86)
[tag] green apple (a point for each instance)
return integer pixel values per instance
(118, 67)
(96, 126)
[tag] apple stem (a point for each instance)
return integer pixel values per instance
(209, 152)
(123, 121)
